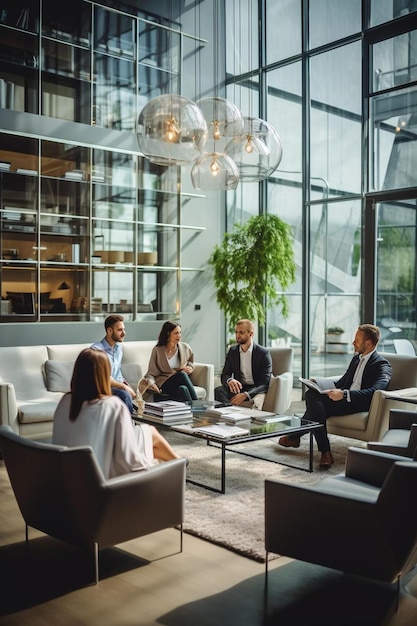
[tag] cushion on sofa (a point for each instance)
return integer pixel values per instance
(58, 375)
(132, 372)
(37, 411)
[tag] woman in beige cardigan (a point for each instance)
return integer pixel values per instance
(169, 367)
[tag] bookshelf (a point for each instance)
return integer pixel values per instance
(105, 223)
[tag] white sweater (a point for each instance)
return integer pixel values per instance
(119, 445)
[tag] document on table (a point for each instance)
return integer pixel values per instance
(223, 431)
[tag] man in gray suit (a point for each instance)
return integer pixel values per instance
(247, 369)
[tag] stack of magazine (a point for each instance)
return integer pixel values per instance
(234, 414)
(168, 412)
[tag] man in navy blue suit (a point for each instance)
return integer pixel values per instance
(352, 393)
(247, 369)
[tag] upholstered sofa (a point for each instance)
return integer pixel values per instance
(34, 378)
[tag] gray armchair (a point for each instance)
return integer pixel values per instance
(401, 436)
(362, 522)
(62, 492)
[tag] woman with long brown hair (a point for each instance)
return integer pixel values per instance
(91, 415)
(170, 366)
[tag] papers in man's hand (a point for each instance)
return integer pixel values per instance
(322, 385)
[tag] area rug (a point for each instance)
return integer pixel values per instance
(235, 520)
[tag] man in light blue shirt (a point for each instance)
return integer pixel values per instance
(112, 346)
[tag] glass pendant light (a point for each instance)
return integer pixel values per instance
(171, 130)
(257, 152)
(223, 118)
(215, 171)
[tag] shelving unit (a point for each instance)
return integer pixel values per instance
(86, 230)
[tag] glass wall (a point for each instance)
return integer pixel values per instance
(393, 106)
(396, 272)
(335, 122)
(383, 11)
(284, 188)
(330, 20)
(342, 98)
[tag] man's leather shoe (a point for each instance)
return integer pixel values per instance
(289, 442)
(326, 459)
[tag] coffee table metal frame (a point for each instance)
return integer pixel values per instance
(228, 444)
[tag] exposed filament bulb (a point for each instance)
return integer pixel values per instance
(172, 131)
(214, 166)
(216, 132)
(248, 145)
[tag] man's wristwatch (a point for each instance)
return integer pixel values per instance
(345, 394)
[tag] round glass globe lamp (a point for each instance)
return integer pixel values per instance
(257, 152)
(223, 118)
(214, 171)
(171, 130)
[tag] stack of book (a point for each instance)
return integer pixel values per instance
(168, 412)
(74, 175)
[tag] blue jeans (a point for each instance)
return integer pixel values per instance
(125, 396)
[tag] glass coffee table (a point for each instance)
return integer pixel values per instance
(286, 425)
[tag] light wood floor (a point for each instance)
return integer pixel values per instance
(147, 582)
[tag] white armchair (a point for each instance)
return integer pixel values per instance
(371, 425)
(278, 397)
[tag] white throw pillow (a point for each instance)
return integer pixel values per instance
(132, 372)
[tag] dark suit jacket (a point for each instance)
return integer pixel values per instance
(376, 375)
(261, 369)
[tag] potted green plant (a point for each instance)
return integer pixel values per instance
(336, 341)
(333, 334)
(253, 263)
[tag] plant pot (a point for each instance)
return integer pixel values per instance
(335, 337)
(147, 258)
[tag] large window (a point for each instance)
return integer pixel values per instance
(396, 271)
(342, 139)
(330, 20)
(393, 150)
(335, 121)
